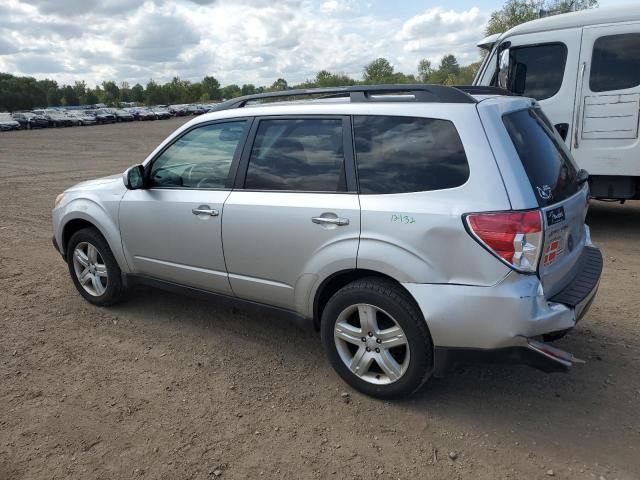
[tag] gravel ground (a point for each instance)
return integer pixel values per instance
(170, 387)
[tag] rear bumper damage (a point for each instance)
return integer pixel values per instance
(507, 322)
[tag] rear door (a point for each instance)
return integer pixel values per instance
(294, 214)
(606, 141)
(553, 176)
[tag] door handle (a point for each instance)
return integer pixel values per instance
(203, 210)
(330, 221)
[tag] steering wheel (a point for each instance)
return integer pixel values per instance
(195, 174)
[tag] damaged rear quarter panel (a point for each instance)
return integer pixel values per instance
(420, 237)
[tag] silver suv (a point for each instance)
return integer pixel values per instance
(413, 225)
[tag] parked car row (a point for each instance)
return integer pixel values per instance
(59, 117)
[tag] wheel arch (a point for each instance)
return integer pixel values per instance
(101, 222)
(72, 226)
(336, 281)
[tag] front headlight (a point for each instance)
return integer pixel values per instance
(58, 200)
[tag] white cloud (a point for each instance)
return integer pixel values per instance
(335, 6)
(437, 32)
(238, 41)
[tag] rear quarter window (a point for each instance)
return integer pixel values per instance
(408, 154)
(551, 171)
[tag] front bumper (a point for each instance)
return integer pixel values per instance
(500, 322)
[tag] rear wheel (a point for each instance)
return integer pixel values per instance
(93, 268)
(376, 338)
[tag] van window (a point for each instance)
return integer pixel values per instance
(537, 71)
(297, 154)
(407, 154)
(551, 172)
(616, 63)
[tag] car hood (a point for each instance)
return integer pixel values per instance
(8, 122)
(112, 182)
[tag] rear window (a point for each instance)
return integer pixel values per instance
(407, 154)
(551, 171)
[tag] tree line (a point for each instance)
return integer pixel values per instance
(25, 93)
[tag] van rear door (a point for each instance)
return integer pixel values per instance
(560, 194)
(606, 140)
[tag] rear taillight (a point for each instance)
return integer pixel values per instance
(514, 237)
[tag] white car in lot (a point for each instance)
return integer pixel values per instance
(413, 225)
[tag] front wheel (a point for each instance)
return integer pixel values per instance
(93, 268)
(376, 338)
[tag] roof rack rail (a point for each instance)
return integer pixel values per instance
(361, 93)
(483, 90)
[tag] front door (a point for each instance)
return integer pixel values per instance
(296, 215)
(172, 229)
(606, 141)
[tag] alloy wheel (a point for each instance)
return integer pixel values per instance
(371, 344)
(90, 269)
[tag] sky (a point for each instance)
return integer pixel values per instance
(237, 41)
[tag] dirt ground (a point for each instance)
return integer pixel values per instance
(170, 387)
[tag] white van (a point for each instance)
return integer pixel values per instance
(584, 69)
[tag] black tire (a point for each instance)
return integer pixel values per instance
(391, 298)
(115, 290)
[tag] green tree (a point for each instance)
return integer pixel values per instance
(467, 73)
(54, 97)
(91, 97)
(231, 91)
(125, 92)
(515, 12)
(153, 94)
(80, 89)
(248, 89)
(137, 93)
(425, 70)
(377, 72)
(196, 92)
(69, 96)
(21, 93)
(110, 92)
(324, 78)
(279, 84)
(211, 87)
(449, 65)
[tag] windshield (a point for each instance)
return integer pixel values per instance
(550, 168)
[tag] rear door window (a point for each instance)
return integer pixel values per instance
(537, 71)
(551, 172)
(615, 63)
(299, 155)
(408, 154)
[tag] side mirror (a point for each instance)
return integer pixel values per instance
(133, 177)
(503, 69)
